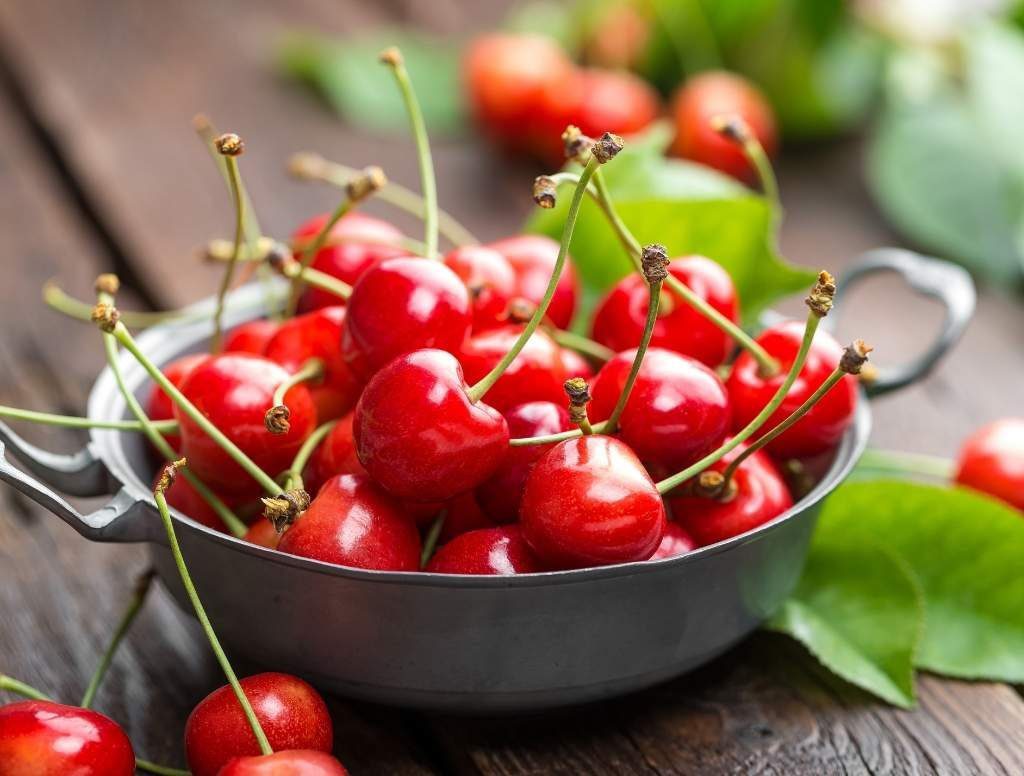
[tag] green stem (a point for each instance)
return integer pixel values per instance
(889, 461)
(231, 164)
(581, 344)
(477, 391)
(430, 540)
(159, 770)
(10, 684)
(135, 603)
(294, 473)
(758, 159)
(73, 421)
(317, 279)
(204, 621)
(312, 249)
(208, 135)
(55, 298)
(415, 247)
(311, 370)
(654, 295)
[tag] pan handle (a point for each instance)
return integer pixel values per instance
(950, 284)
(77, 474)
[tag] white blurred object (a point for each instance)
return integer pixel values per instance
(926, 21)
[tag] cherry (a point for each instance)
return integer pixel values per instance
(499, 550)
(250, 337)
(336, 454)
(532, 257)
(318, 335)
(234, 391)
(490, 280)
(677, 412)
(500, 495)
(159, 405)
(263, 533)
(463, 514)
(351, 522)
(293, 762)
(590, 502)
(183, 496)
(357, 243)
(615, 101)
(402, 305)
(42, 738)
(712, 94)
(420, 435)
(291, 713)
(536, 374)
(575, 365)
(619, 319)
(822, 427)
(674, 543)
(760, 494)
(992, 461)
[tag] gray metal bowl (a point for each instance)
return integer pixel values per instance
(460, 643)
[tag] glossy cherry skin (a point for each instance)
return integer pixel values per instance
(336, 454)
(674, 543)
(352, 522)
(615, 101)
(493, 551)
(462, 515)
(402, 305)
(575, 365)
(823, 426)
(992, 461)
(42, 738)
(183, 497)
(490, 280)
(250, 337)
(293, 762)
(677, 413)
(263, 533)
(717, 93)
(419, 435)
(291, 713)
(536, 374)
(318, 335)
(159, 405)
(620, 318)
(501, 494)
(533, 257)
(590, 502)
(761, 495)
(362, 242)
(234, 391)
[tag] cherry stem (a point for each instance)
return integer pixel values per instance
(57, 299)
(891, 461)
(392, 57)
(310, 166)
(293, 477)
(581, 344)
(734, 128)
(310, 371)
(166, 477)
(430, 540)
(313, 277)
(417, 247)
(141, 590)
(234, 178)
(208, 135)
(73, 421)
(10, 684)
(159, 770)
(578, 391)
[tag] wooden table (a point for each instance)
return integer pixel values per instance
(99, 171)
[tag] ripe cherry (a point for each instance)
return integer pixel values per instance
(532, 257)
(717, 93)
(336, 454)
(992, 461)
(674, 543)
(619, 319)
(823, 426)
(318, 335)
(294, 762)
(575, 365)
(263, 533)
(463, 514)
(490, 280)
(420, 435)
(351, 522)
(677, 412)
(615, 101)
(402, 305)
(234, 391)
(536, 374)
(486, 551)
(250, 337)
(42, 738)
(500, 495)
(159, 405)
(590, 502)
(291, 713)
(183, 496)
(356, 243)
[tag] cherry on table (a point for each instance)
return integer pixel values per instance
(533, 257)
(490, 280)
(159, 405)
(250, 337)
(291, 762)
(536, 374)
(992, 461)
(486, 551)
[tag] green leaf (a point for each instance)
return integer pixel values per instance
(353, 82)
(994, 66)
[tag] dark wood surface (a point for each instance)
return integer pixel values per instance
(98, 170)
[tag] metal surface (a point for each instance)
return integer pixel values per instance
(459, 643)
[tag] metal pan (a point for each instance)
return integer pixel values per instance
(462, 643)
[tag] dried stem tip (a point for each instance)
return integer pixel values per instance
(391, 56)
(107, 283)
(654, 260)
(854, 357)
(578, 391)
(712, 484)
(545, 193)
(732, 127)
(276, 419)
(607, 147)
(168, 474)
(820, 298)
(306, 165)
(229, 144)
(278, 256)
(370, 181)
(106, 317)
(520, 310)
(577, 145)
(283, 510)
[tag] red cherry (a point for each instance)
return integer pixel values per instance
(761, 495)
(675, 542)
(992, 461)
(362, 242)
(234, 391)
(159, 405)
(183, 496)
(336, 454)
(402, 305)
(462, 515)
(533, 257)
(418, 433)
(621, 316)
(293, 762)
(250, 337)
(500, 551)
(263, 533)
(712, 94)
(590, 502)
(351, 522)
(615, 101)
(490, 280)
(677, 413)
(536, 374)
(501, 494)
(291, 713)
(823, 426)
(42, 738)
(575, 365)
(318, 335)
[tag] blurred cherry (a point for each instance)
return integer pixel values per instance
(159, 405)
(615, 101)
(292, 762)
(250, 337)
(536, 374)
(532, 257)
(992, 461)
(501, 551)
(490, 280)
